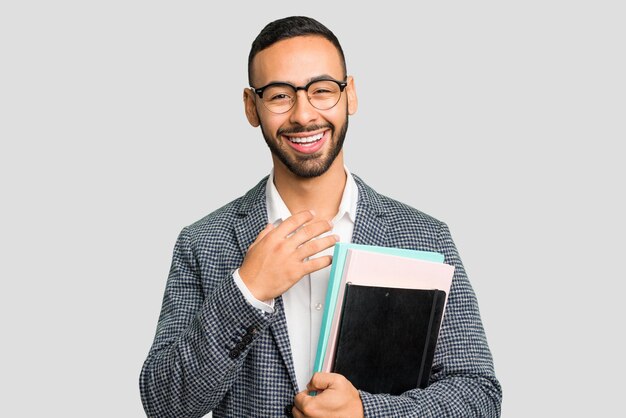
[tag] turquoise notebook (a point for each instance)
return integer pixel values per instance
(336, 273)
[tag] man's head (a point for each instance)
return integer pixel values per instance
(304, 129)
(290, 27)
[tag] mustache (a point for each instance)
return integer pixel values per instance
(303, 129)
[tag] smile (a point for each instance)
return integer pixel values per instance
(308, 144)
(306, 139)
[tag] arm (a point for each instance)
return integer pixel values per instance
(200, 342)
(463, 382)
(203, 339)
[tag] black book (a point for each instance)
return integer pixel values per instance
(387, 337)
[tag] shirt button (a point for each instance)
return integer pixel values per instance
(318, 307)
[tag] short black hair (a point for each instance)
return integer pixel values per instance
(290, 27)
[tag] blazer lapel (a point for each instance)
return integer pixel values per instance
(281, 336)
(252, 214)
(370, 226)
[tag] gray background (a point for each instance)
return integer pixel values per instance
(122, 121)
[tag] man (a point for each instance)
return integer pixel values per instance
(243, 301)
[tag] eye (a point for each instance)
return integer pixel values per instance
(279, 97)
(321, 91)
(278, 93)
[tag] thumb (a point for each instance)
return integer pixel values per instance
(321, 381)
(268, 228)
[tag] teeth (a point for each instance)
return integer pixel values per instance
(307, 139)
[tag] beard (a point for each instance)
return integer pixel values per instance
(311, 165)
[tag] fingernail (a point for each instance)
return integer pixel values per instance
(337, 237)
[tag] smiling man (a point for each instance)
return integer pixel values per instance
(244, 299)
(306, 136)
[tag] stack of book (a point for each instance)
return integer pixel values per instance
(384, 307)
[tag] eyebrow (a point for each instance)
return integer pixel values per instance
(316, 78)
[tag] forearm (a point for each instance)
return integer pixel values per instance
(453, 397)
(463, 381)
(188, 372)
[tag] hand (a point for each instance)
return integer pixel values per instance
(336, 397)
(276, 260)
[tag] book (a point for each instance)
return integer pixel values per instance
(387, 270)
(387, 337)
(334, 285)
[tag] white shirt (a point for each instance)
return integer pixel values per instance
(304, 301)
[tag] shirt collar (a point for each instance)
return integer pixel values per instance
(278, 211)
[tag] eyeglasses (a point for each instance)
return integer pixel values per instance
(280, 97)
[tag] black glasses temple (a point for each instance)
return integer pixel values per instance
(342, 85)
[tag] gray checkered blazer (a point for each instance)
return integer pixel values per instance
(214, 352)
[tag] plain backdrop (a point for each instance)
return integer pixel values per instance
(122, 121)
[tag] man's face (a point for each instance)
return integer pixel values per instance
(305, 140)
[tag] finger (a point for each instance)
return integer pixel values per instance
(268, 228)
(309, 231)
(311, 391)
(300, 402)
(309, 387)
(321, 381)
(316, 246)
(299, 399)
(296, 413)
(316, 264)
(292, 223)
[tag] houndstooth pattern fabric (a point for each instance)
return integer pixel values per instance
(214, 352)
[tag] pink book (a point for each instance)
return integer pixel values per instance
(376, 269)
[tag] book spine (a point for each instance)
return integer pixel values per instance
(427, 340)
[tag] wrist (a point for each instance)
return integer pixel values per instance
(266, 305)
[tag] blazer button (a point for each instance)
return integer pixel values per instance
(240, 346)
(234, 353)
(288, 411)
(252, 330)
(247, 339)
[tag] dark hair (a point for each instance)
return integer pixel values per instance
(290, 27)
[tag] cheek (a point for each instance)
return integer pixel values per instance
(338, 119)
(271, 124)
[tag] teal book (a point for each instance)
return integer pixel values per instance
(334, 283)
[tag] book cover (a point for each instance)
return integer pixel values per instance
(335, 285)
(387, 270)
(387, 337)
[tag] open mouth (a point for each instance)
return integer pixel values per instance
(308, 144)
(305, 140)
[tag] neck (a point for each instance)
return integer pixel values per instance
(321, 194)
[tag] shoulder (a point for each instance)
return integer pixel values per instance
(220, 222)
(392, 209)
(406, 226)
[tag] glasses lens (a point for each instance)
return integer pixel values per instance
(279, 98)
(324, 94)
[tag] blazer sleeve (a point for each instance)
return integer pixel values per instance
(201, 341)
(463, 382)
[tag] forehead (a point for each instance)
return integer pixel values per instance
(297, 60)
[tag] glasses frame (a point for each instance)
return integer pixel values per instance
(259, 91)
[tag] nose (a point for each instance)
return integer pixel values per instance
(303, 113)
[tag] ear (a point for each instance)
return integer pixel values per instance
(353, 102)
(249, 104)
